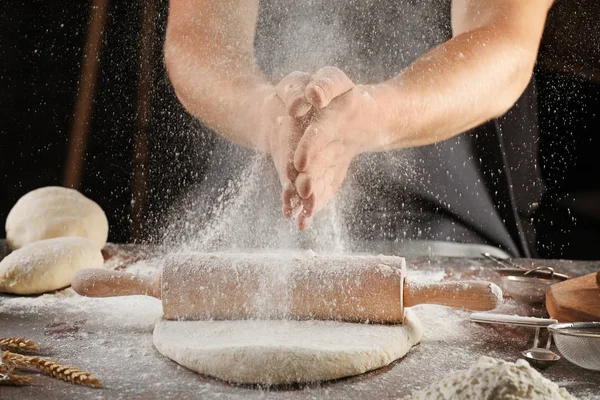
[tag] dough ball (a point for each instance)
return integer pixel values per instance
(47, 265)
(54, 211)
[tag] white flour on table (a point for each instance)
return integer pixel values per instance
(492, 379)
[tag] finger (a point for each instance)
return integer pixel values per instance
(317, 201)
(305, 182)
(304, 185)
(315, 138)
(331, 155)
(292, 204)
(304, 222)
(327, 84)
(291, 91)
(322, 193)
(308, 206)
(290, 133)
(325, 189)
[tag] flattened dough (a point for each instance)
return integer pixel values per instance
(54, 211)
(281, 351)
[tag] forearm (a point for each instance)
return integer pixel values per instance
(476, 76)
(214, 74)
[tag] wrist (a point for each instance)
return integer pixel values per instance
(392, 116)
(255, 123)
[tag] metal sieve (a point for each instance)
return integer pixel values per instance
(578, 342)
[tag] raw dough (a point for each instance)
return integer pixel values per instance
(47, 265)
(52, 212)
(283, 351)
(492, 379)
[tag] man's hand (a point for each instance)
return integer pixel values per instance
(345, 122)
(285, 131)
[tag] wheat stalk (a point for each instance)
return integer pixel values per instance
(12, 361)
(19, 344)
(60, 371)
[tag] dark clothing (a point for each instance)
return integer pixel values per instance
(485, 186)
(450, 191)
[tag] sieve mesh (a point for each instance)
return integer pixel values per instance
(578, 342)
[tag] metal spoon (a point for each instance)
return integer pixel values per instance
(541, 358)
(537, 356)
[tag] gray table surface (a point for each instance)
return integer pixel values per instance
(114, 342)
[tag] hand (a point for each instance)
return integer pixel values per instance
(284, 133)
(345, 122)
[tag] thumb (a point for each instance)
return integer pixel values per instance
(327, 84)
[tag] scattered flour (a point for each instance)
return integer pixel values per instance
(130, 311)
(494, 379)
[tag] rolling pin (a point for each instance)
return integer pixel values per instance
(275, 286)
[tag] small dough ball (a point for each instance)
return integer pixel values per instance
(47, 265)
(52, 212)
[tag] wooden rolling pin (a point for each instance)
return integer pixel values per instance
(272, 286)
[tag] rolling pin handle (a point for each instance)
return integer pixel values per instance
(467, 295)
(97, 282)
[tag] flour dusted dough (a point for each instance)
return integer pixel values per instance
(47, 265)
(52, 212)
(282, 351)
(492, 379)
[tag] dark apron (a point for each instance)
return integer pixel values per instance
(475, 188)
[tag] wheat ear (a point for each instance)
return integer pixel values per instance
(63, 372)
(14, 360)
(6, 375)
(19, 344)
(17, 380)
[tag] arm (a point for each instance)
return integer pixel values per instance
(209, 53)
(476, 76)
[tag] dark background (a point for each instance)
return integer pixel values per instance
(41, 48)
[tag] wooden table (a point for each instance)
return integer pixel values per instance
(113, 340)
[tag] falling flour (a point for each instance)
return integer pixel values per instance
(493, 379)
